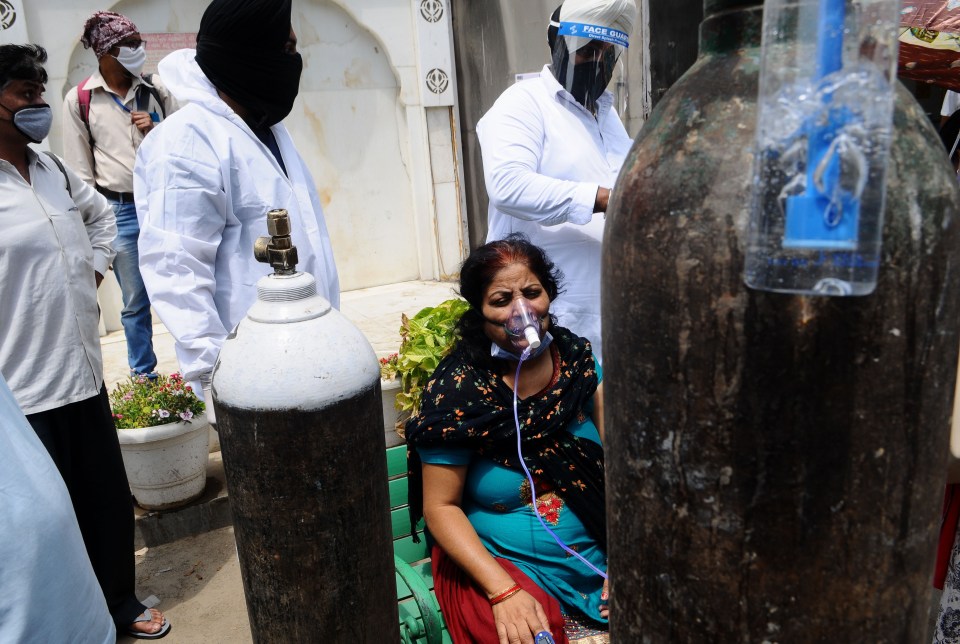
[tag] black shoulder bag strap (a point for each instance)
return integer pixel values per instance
(53, 157)
(143, 97)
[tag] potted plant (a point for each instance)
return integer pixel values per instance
(164, 440)
(425, 339)
(389, 388)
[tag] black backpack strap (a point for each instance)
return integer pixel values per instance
(53, 157)
(145, 91)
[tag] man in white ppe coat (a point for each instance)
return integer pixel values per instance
(206, 178)
(552, 148)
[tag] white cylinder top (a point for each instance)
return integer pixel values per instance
(287, 298)
(293, 351)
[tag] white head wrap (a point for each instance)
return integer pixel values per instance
(615, 14)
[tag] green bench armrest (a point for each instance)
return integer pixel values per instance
(429, 610)
(420, 617)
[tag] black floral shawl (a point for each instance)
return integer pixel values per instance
(466, 406)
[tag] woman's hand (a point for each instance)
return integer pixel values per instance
(605, 600)
(519, 619)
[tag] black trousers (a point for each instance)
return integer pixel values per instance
(82, 440)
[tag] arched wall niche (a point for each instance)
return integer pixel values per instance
(351, 123)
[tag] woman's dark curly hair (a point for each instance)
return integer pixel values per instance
(476, 274)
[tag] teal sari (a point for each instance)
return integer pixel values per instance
(496, 500)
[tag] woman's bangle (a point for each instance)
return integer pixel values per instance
(507, 594)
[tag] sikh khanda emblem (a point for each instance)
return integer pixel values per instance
(8, 15)
(437, 81)
(431, 10)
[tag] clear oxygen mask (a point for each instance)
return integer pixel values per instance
(524, 327)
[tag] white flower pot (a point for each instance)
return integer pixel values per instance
(166, 465)
(388, 391)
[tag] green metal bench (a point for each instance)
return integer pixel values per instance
(420, 618)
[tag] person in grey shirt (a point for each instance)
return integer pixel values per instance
(55, 247)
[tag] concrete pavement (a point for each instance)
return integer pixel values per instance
(198, 581)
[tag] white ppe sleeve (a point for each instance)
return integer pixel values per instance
(511, 142)
(182, 209)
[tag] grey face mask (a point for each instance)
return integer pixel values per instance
(497, 351)
(33, 121)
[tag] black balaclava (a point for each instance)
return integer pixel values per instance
(240, 48)
(590, 79)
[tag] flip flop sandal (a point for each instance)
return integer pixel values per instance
(147, 616)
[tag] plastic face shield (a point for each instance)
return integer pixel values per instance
(585, 59)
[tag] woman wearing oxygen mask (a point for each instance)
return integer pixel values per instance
(552, 148)
(504, 570)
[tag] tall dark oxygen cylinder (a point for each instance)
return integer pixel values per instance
(775, 463)
(297, 398)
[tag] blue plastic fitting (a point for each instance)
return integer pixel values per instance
(827, 219)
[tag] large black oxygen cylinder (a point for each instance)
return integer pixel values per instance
(775, 463)
(297, 396)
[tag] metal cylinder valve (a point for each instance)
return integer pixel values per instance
(277, 249)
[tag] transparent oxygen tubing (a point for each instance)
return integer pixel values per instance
(533, 487)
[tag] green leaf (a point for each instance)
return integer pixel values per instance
(425, 339)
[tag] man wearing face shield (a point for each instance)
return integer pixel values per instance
(104, 121)
(552, 149)
(205, 181)
(54, 250)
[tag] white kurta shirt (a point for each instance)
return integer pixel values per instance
(204, 184)
(50, 247)
(43, 562)
(544, 157)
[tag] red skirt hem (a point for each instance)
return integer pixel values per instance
(467, 612)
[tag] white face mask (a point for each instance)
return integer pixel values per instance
(133, 59)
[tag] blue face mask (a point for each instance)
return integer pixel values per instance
(497, 351)
(32, 121)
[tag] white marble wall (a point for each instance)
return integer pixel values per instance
(387, 167)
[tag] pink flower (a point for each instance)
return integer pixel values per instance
(186, 415)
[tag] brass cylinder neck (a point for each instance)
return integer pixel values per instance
(277, 249)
